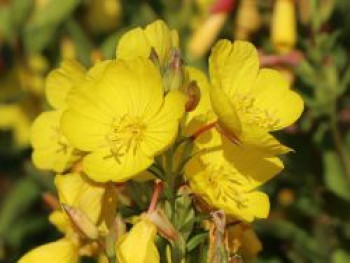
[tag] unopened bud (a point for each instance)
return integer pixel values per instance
(193, 96)
(153, 56)
(116, 231)
(284, 26)
(248, 19)
(163, 224)
(174, 74)
(81, 221)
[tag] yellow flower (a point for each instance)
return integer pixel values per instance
(248, 20)
(250, 102)
(60, 81)
(13, 118)
(51, 150)
(96, 202)
(122, 119)
(138, 245)
(283, 27)
(226, 176)
(139, 42)
(59, 251)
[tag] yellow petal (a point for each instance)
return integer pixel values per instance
(271, 93)
(233, 66)
(60, 251)
(134, 44)
(162, 129)
(60, 220)
(259, 139)
(76, 190)
(138, 245)
(138, 42)
(61, 80)
(51, 151)
(259, 204)
(225, 110)
(103, 166)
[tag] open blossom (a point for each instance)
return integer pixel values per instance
(122, 119)
(250, 102)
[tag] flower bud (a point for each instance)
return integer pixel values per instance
(193, 94)
(164, 226)
(283, 27)
(204, 37)
(138, 245)
(81, 221)
(174, 73)
(248, 20)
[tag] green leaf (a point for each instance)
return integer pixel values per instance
(20, 9)
(40, 29)
(196, 241)
(335, 179)
(23, 195)
(340, 256)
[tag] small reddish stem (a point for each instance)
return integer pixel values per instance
(157, 190)
(203, 129)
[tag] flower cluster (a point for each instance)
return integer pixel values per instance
(146, 119)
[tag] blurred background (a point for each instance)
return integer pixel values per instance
(308, 40)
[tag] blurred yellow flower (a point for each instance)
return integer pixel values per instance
(138, 245)
(60, 81)
(139, 42)
(250, 102)
(13, 118)
(122, 119)
(283, 27)
(243, 240)
(97, 202)
(59, 251)
(248, 20)
(51, 149)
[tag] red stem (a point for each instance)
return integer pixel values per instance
(157, 190)
(203, 129)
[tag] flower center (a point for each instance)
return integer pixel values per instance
(246, 106)
(226, 184)
(126, 135)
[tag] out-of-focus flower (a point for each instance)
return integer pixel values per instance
(203, 38)
(250, 102)
(52, 151)
(103, 16)
(286, 197)
(283, 27)
(122, 119)
(243, 240)
(13, 118)
(88, 199)
(248, 20)
(139, 42)
(68, 49)
(138, 245)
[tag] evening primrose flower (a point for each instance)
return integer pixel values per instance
(122, 119)
(51, 149)
(222, 174)
(250, 102)
(140, 42)
(95, 202)
(14, 118)
(138, 245)
(283, 27)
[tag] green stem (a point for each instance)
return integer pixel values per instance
(339, 145)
